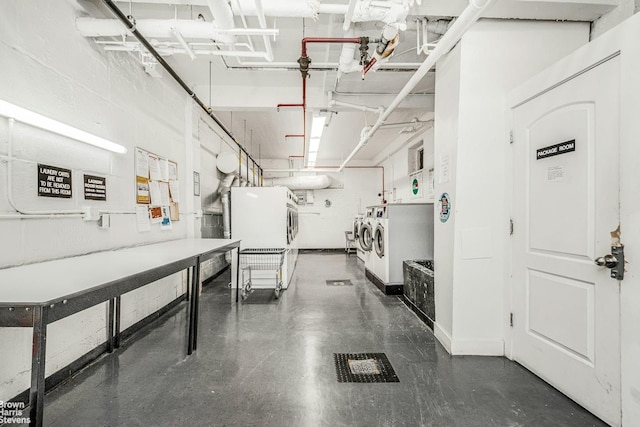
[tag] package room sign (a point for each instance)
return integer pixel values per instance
(54, 182)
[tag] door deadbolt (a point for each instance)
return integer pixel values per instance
(608, 261)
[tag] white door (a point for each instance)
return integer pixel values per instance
(566, 214)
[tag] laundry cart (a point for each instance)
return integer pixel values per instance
(261, 268)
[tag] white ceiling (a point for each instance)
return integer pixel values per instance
(244, 94)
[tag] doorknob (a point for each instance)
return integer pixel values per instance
(608, 261)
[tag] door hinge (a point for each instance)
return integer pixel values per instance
(511, 319)
(510, 227)
(510, 137)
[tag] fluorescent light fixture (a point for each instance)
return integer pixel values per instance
(25, 116)
(317, 126)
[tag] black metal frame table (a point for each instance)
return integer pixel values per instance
(36, 295)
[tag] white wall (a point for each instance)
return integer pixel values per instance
(478, 144)
(395, 159)
(351, 191)
(49, 68)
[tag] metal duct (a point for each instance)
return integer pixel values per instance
(303, 182)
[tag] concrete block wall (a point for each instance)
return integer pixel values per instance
(49, 68)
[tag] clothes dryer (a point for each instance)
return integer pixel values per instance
(357, 230)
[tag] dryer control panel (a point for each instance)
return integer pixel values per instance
(380, 212)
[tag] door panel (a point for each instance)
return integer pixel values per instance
(566, 203)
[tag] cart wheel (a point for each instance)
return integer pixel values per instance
(246, 290)
(278, 290)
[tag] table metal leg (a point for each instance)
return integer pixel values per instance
(196, 296)
(237, 274)
(110, 319)
(118, 317)
(188, 278)
(38, 355)
(192, 304)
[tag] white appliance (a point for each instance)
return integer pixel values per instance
(266, 217)
(366, 236)
(400, 232)
(357, 229)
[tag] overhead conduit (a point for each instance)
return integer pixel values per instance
(132, 28)
(460, 26)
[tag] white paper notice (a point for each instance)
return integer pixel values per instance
(154, 168)
(164, 194)
(164, 169)
(174, 186)
(142, 218)
(443, 176)
(142, 163)
(154, 190)
(173, 171)
(555, 173)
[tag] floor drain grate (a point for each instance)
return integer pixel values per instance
(344, 282)
(364, 368)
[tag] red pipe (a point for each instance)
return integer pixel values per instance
(360, 167)
(306, 40)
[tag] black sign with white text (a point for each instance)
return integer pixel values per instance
(95, 188)
(54, 182)
(555, 150)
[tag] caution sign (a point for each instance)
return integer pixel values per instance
(54, 182)
(95, 188)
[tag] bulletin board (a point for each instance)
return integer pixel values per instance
(157, 190)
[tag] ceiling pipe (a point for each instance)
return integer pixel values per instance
(184, 43)
(334, 103)
(167, 51)
(263, 24)
(466, 19)
(162, 28)
(132, 28)
(222, 16)
(305, 62)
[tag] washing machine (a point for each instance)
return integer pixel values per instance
(400, 232)
(357, 230)
(379, 238)
(366, 238)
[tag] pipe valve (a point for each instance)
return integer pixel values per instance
(364, 50)
(304, 62)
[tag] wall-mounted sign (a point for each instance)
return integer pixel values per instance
(445, 207)
(54, 182)
(556, 150)
(196, 184)
(143, 195)
(95, 188)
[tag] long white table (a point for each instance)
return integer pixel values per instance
(35, 295)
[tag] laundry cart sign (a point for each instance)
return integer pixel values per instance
(54, 182)
(445, 207)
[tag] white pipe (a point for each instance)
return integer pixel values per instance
(222, 16)
(348, 64)
(42, 214)
(162, 28)
(334, 102)
(349, 14)
(183, 43)
(173, 50)
(320, 65)
(263, 24)
(466, 19)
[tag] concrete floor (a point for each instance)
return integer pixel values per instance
(270, 363)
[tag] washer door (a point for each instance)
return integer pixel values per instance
(357, 226)
(366, 239)
(378, 240)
